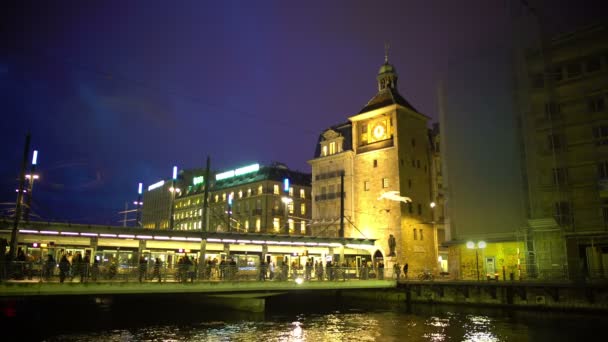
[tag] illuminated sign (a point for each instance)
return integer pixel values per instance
(139, 188)
(198, 180)
(240, 171)
(247, 169)
(35, 157)
(394, 196)
(286, 184)
(175, 172)
(156, 185)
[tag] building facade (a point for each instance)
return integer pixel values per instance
(253, 198)
(383, 156)
(563, 92)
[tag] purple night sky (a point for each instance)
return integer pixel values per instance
(117, 92)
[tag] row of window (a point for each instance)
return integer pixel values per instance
(276, 189)
(599, 133)
(560, 174)
(276, 225)
(595, 104)
(563, 213)
(330, 148)
(570, 70)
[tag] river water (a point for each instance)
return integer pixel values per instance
(311, 320)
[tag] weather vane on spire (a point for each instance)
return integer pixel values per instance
(386, 47)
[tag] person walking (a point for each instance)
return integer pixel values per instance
(64, 268)
(142, 268)
(156, 272)
(397, 270)
(95, 269)
(405, 269)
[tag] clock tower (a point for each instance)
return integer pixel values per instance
(383, 153)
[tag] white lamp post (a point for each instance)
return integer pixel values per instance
(476, 246)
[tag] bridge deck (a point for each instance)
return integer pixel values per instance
(15, 289)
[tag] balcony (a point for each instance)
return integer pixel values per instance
(331, 196)
(329, 175)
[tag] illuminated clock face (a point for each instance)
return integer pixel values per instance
(379, 131)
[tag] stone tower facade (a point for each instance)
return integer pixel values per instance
(384, 153)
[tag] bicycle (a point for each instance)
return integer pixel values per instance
(426, 275)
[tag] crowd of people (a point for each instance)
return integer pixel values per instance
(73, 266)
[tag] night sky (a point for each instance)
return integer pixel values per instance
(115, 92)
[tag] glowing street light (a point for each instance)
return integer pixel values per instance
(476, 246)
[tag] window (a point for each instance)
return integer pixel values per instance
(409, 207)
(258, 224)
(324, 150)
(217, 198)
(415, 234)
(276, 205)
(276, 224)
(275, 189)
(303, 208)
(240, 193)
(600, 135)
(323, 191)
(593, 64)
(418, 163)
(260, 190)
(291, 191)
(248, 192)
(421, 237)
(555, 142)
(602, 170)
(303, 227)
(573, 70)
(332, 189)
(332, 147)
(562, 213)
(224, 197)
(258, 204)
(552, 110)
(302, 193)
(375, 163)
(291, 225)
(385, 182)
(290, 207)
(409, 183)
(366, 186)
(596, 104)
(247, 224)
(560, 176)
(419, 209)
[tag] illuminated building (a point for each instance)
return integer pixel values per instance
(156, 208)
(247, 199)
(383, 154)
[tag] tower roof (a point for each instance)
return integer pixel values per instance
(386, 97)
(387, 89)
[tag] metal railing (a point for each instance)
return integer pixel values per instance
(52, 272)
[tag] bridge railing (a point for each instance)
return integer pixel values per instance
(52, 272)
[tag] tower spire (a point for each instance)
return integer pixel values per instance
(386, 47)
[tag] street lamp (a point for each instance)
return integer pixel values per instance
(138, 204)
(31, 177)
(173, 191)
(476, 246)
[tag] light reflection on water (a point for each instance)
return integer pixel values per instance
(335, 326)
(314, 322)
